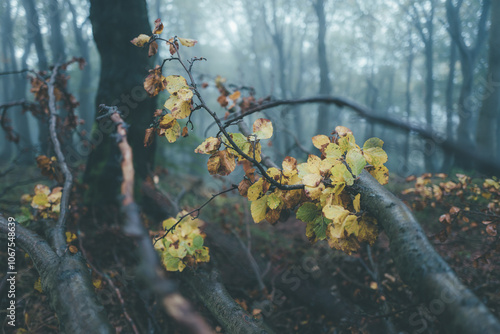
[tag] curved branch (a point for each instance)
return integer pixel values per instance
(418, 263)
(150, 273)
(67, 283)
(44, 258)
(215, 297)
(483, 163)
(421, 266)
(58, 233)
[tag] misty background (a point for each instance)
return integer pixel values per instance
(425, 63)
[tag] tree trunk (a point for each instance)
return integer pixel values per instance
(84, 91)
(56, 38)
(67, 283)
(123, 69)
(485, 133)
(14, 84)
(450, 87)
(468, 56)
(409, 71)
(34, 32)
(418, 264)
(325, 86)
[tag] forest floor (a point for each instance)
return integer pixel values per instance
(296, 287)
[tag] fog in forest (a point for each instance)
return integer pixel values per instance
(422, 63)
(250, 166)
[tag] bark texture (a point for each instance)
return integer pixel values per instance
(485, 134)
(123, 69)
(421, 267)
(66, 281)
(228, 313)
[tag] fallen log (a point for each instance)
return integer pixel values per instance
(213, 294)
(421, 267)
(66, 281)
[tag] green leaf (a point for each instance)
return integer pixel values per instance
(356, 161)
(308, 212)
(373, 142)
(172, 264)
(198, 242)
(273, 201)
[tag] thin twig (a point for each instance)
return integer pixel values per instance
(68, 177)
(197, 211)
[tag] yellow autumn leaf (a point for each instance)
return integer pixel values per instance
(236, 95)
(55, 195)
(42, 189)
(258, 209)
(340, 174)
(70, 237)
(312, 166)
(289, 166)
(381, 174)
(314, 192)
(334, 151)
(263, 128)
(140, 40)
(312, 180)
(175, 83)
(273, 201)
(38, 285)
(356, 202)
(347, 143)
(187, 42)
(335, 212)
(170, 127)
(40, 202)
(320, 142)
(179, 103)
(97, 283)
(209, 146)
(257, 189)
(342, 131)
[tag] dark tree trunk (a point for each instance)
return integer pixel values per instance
(84, 91)
(490, 108)
(15, 84)
(56, 38)
(468, 56)
(426, 33)
(325, 86)
(34, 32)
(123, 69)
(450, 87)
(409, 71)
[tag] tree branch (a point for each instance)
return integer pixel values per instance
(483, 163)
(67, 283)
(420, 266)
(418, 263)
(150, 272)
(59, 241)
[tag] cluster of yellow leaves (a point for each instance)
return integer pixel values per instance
(179, 104)
(47, 202)
(183, 245)
(461, 198)
(223, 162)
(328, 210)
